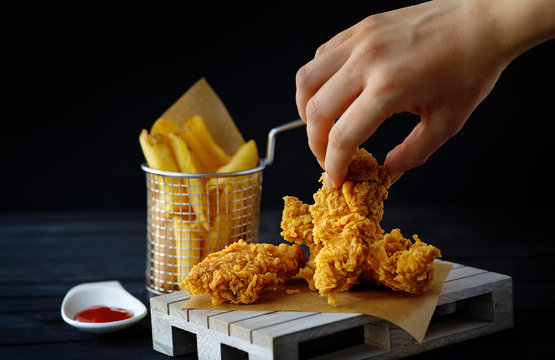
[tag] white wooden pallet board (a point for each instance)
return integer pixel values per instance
(473, 302)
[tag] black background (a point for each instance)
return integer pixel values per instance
(80, 82)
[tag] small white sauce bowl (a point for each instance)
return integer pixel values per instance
(106, 293)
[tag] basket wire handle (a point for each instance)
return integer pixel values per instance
(272, 138)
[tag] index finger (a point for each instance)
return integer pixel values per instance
(354, 127)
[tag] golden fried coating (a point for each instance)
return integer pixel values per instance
(296, 221)
(346, 222)
(241, 271)
(339, 226)
(401, 265)
(297, 226)
(347, 245)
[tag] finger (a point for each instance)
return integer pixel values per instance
(426, 137)
(314, 74)
(327, 105)
(357, 124)
(335, 41)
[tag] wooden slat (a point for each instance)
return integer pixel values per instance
(472, 286)
(162, 302)
(310, 327)
(222, 322)
(243, 329)
(463, 271)
(176, 310)
(200, 317)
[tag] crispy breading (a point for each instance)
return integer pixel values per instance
(402, 265)
(241, 271)
(346, 222)
(339, 226)
(297, 226)
(296, 221)
(347, 245)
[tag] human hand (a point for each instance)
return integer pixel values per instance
(438, 60)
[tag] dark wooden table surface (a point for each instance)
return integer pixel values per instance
(43, 255)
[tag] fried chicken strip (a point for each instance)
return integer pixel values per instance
(346, 222)
(241, 271)
(339, 226)
(297, 226)
(402, 265)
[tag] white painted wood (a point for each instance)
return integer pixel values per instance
(243, 329)
(200, 317)
(488, 307)
(462, 272)
(305, 328)
(222, 322)
(472, 286)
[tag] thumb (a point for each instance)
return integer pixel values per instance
(426, 137)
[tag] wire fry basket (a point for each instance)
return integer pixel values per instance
(191, 215)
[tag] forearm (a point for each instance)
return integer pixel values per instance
(518, 25)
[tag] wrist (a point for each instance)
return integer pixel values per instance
(517, 25)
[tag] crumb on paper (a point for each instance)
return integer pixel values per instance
(292, 291)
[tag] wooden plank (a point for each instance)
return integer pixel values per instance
(243, 329)
(310, 327)
(462, 272)
(222, 322)
(472, 286)
(200, 317)
(162, 302)
(176, 311)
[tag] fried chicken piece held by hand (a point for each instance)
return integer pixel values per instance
(241, 271)
(346, 222)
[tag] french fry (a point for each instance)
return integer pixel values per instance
(237, 203)
(186, 163)
(210, 155)
(164, 127)
(245, 158)
(159, 155)
(157, 152)
(189, 241)
(164, 255)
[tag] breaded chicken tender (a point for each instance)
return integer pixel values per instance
(297, 226)
(402, 265)
(345, 221)
(241, 271)
(342, 230)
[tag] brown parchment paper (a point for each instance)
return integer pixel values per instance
(201, 100)
(411, 313)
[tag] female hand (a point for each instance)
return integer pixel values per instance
(438, 60)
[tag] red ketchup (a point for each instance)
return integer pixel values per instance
(102, 314)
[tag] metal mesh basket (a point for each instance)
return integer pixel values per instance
(192, 215)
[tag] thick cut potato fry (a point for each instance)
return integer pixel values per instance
(164, 127)
(164, 263)
(237, 204)
(245, 158)
(157, 152)
(202, 201)
(210, 155)
(189, 241)
(185, 160)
